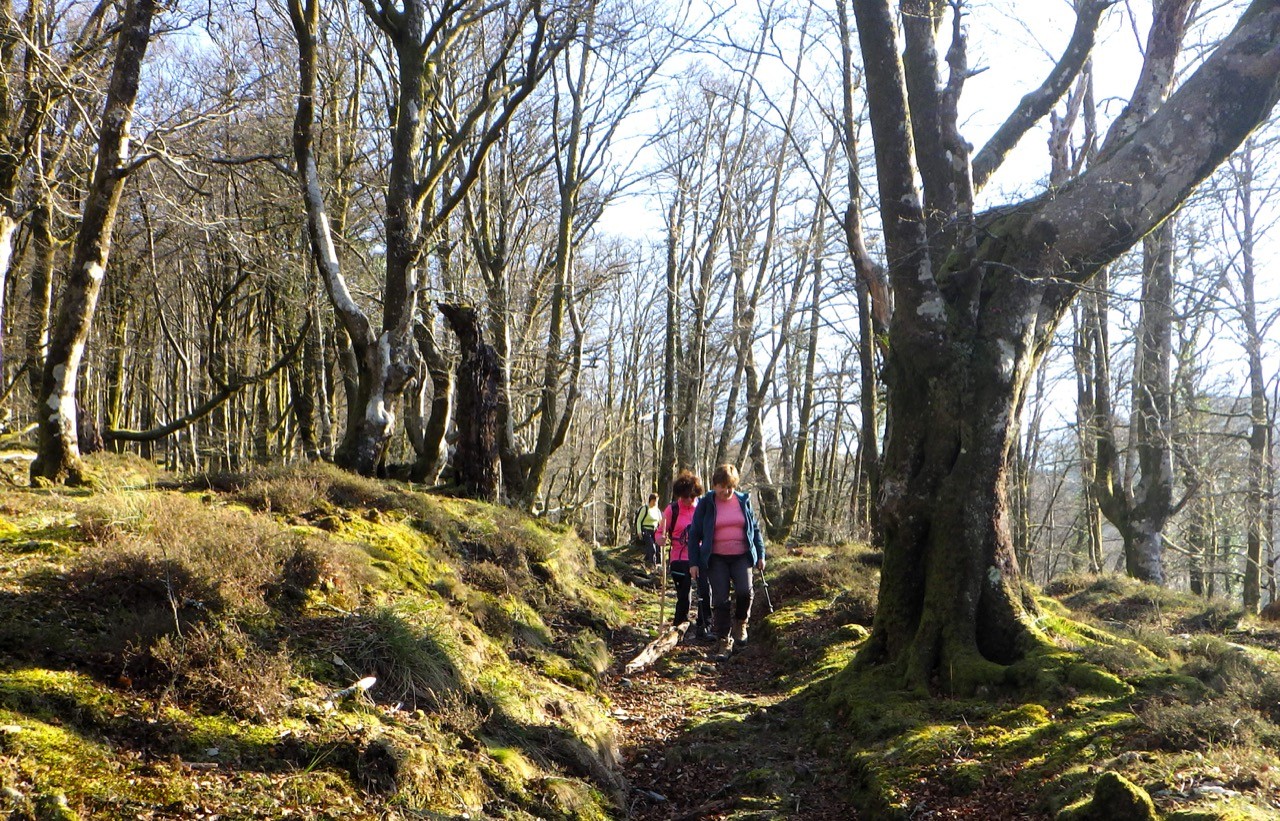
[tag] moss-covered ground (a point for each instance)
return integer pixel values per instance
(298, 642)
(197, 651)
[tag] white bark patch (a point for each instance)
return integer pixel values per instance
(95, 270)
(933, 308)
(377, 413)
(337, 285)
(7, 228)
(994, 576)
(1008, 358)
(66, 413)
(327, 252)
(1001, 422)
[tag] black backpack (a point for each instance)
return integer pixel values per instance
(682, 536)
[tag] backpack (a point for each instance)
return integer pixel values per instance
(682, 537)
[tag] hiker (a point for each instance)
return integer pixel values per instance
(725, 542)
(674, 530)
(647, 519)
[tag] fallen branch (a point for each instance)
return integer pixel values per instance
(667, 639)
(719, 805)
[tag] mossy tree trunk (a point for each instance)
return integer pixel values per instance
(977, 301)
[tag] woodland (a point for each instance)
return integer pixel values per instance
(341, 341)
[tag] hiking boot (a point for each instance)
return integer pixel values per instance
(724, 649)
(740, 632)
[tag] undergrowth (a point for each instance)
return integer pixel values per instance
(1176, 711)
(226, 631)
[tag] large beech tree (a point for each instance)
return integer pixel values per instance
(978, 297)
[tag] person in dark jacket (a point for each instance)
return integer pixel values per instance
(725, 543)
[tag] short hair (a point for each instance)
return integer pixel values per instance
(653, 497)
(725, 475)
(686, 486)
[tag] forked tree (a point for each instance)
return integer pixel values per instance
(446, 116)
(978, 297)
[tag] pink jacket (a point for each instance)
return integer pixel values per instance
(679, 531)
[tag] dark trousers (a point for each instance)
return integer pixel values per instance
(680, 575)
(650, 546)
(723, 571)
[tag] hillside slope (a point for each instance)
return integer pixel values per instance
(195, 652)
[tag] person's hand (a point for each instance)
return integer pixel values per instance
(760, 565)
(693, 571)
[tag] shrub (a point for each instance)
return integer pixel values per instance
(137, 600)
(218, 667)
(1175, 725)
(411, 663)
(842, 571)
(297, 489)
(856, 605)
(316, 568)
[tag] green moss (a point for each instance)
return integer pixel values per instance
(398, 551)
(1114, 797)
(1090, 679)
(9, 531)
(1022, 716)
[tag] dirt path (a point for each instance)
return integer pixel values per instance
(706, 740)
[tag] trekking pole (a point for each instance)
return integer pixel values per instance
(768, 603)
(662, 583)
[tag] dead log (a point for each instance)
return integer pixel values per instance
(667, 639)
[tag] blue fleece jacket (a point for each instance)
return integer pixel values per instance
(703, 529)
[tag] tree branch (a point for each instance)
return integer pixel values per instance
(224, 392)
(1038, 103)
(906, 240)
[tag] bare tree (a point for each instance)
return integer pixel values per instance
(978, 300)
(514, 47)
(58, 456)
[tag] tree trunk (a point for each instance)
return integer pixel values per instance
(475, 458)
(1152, 505)
(58, 454)
(875, 304)
(671, 382)
(1259, 415)
(432, 454)
(966, 335)
(40, 294)
(800, 462)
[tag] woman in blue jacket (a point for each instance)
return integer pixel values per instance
(725, 542)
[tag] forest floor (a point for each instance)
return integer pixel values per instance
(668, 716)
(707, 739)
(1178, 695)
(191, 648)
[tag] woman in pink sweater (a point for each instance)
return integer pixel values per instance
(674, 528)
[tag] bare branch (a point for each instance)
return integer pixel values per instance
(1038, 103)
